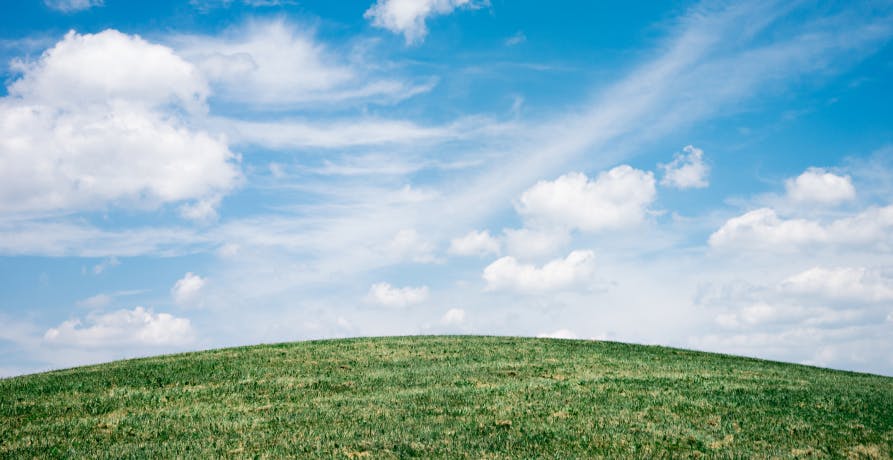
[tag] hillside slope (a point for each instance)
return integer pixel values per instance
(474, 397)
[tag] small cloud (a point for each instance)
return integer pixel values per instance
(508, 274)
(516, 39)
(687, 170)
(559, 334)
(475, 243)
(186, 290)
(228, 250)
(818, 186)
(105, 265)
(408, 17)
(203, 210)
(390, 296)
(137, 327)
(70, 6)
(453, 316)
(407, 244)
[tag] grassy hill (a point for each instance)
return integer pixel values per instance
(465, 397)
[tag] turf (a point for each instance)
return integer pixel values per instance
(449, 397)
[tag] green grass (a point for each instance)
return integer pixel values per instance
(453, 397)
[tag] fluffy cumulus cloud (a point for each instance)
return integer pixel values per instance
(408, 17)
(507, 273)
(137, 327)
(475, 243)
(687, 170)
(818, 186)
(69, 6)
(615, 199)
(453, 317)
(187, 290)
(763, 228)
(94, 121)
(389, 296)
(276, 64)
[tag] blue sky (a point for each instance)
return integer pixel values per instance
(184, 175)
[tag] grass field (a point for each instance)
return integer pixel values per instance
(455, 397)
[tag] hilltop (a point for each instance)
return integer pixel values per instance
(474, 397)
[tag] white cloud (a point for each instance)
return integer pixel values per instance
(407, 244)
(475, 243)
(453, 316)
(69, 6)
(408, 17)
(95, 121)
(291, 134)
(107, 263)
(687, 170)
(818, 186)
(850, 284)
(86, 69)
(508, 274)
(615, 199)
(187, 290)
(390, 296)
(275, 64)
(203, 210)
(516, 39)
(762, 228)
(559, 334)
(137, 327)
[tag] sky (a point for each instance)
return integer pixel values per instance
(184, 175)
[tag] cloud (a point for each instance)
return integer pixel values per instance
(187, 290)
(764, 229)
(559, 334)
(61, 238)
(107, 263)
(274, 64)
(687, 170)
(615, 199)
(407, 244)
(294, 134)
(508, 274)
(390, 296)
(95, 122)
(453, 316)
(408, 17)
(818, 316)
(475, 243)
(137, 327)
(847, 284)
(818, 186)
(516, 39)
(87, 69)
(70, 6)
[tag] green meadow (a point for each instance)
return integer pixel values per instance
(447, 397)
